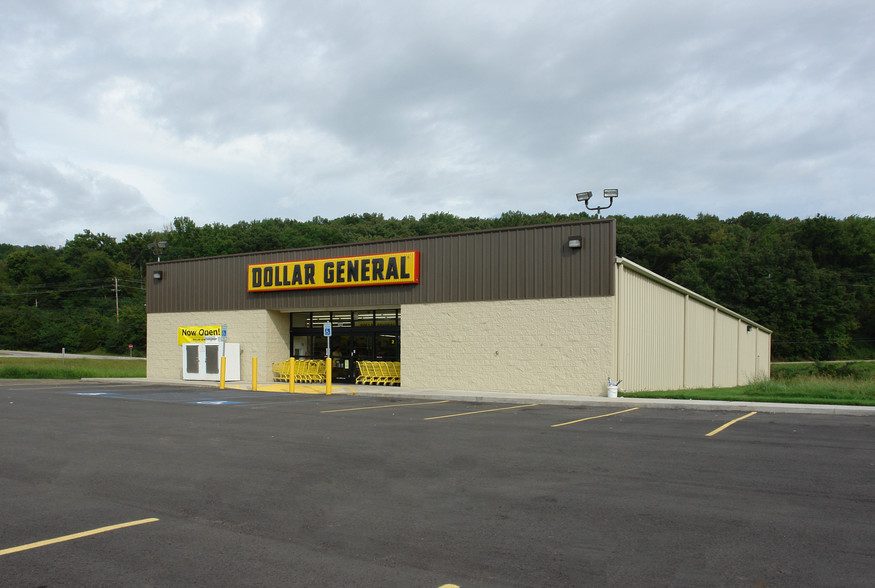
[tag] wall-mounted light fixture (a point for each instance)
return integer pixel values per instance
(575, 242)
(158, 274)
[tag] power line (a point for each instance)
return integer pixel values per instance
(50, 288)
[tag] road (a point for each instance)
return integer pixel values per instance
(10, 353)
(242, 488)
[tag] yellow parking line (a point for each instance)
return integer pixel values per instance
(729, 424)
(74, 536)
(601, 416)
(384, 406)
(447, 416)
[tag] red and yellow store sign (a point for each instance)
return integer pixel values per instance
(336, 272)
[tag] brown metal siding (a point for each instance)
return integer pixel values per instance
(503, 264)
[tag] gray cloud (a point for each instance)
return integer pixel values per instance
(226, 111)
(49, 202)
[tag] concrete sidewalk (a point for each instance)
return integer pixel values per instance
(403, 393)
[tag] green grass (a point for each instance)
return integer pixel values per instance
(840, 370)
(814, 383)
(70, 369)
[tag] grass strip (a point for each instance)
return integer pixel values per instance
(70, 369)
(801, 390)
(845, 370)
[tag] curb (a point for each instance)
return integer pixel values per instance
(401, 393)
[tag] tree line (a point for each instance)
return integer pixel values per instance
(812, 281)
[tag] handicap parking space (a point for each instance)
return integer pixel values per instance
(199, 395)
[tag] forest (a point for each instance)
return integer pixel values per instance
(812, 281)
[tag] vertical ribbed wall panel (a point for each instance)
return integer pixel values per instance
(764, 355)
(503, 264)
(668, 337)
(725, 350)
(747, 354)
(651, 338)
(698, 345)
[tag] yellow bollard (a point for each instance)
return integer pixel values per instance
(255, 373)
(292, 375)
(328, 363)
(222, 374)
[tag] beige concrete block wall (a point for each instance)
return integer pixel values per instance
(551, 346)
(261, 333)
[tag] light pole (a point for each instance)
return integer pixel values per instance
(610, 193)
(157, 247)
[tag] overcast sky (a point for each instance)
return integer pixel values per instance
(117, 116)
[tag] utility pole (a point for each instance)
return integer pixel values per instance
(116, 300)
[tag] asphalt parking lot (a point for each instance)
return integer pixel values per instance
(146, 485)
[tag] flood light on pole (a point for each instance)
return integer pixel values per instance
(610, 194)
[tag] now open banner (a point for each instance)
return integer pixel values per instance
(197, 334)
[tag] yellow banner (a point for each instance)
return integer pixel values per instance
(197, 334)
(337, 272)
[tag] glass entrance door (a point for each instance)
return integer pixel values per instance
(371, 335)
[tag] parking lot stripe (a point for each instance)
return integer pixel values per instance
(447, 416)
(384, 406)
(601, 416)
(74, 536)
(729, 424)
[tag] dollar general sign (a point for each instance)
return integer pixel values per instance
(336, 272)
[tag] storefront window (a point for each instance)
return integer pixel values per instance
(386, 318)
(341, 320)
(387, 348)
(356, 336)
(317, 319)
(364, 318)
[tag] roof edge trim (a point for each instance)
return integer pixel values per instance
(395, 240)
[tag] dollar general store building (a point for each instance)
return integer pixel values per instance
(544, 309)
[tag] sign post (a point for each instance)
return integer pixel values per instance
(326, 330)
